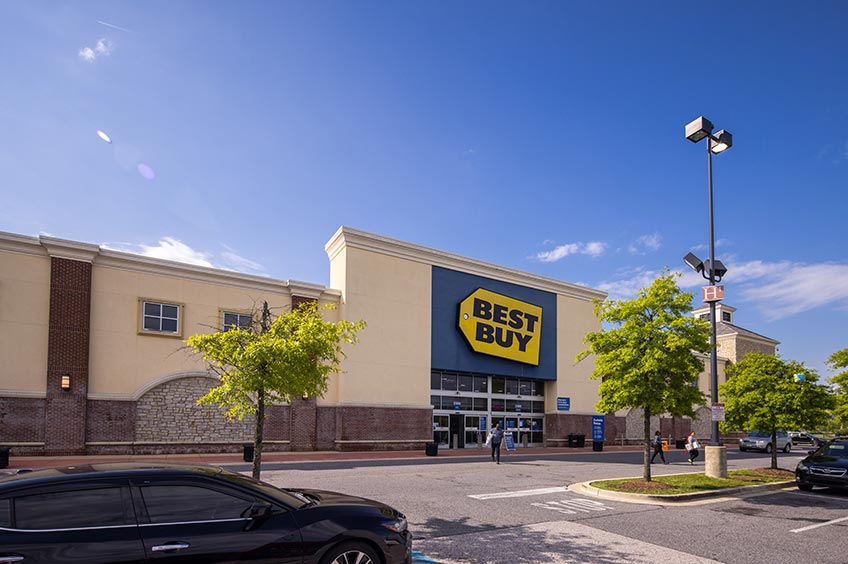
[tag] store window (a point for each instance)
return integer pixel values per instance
(233, 320)
(160, 318)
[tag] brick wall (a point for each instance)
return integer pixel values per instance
(110, 421)
(67, 353)
(22, 421)
(304, 424)
(380, 428)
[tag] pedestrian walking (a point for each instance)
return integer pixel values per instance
(692, 445)
(495, 439)
(658, 448)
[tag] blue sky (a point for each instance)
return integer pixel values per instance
(544, 136)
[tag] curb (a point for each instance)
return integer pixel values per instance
(584, 488)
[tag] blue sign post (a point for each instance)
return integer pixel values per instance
(483, 423)
(510, 441)
(598, 428)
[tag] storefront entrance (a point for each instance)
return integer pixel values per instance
(466, 406)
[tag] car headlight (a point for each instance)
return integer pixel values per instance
(759, 443)
(398, 525)
(801, 467)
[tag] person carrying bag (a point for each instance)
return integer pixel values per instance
(692, 445)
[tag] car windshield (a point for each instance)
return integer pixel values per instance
(838, 450)
(759, 434)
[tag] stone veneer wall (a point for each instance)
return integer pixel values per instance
(169, 413)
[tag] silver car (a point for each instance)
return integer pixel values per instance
(761, 440)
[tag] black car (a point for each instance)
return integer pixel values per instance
(138, 513)
(799, 438)
(827, 466)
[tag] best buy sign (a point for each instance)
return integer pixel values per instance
(498, 325)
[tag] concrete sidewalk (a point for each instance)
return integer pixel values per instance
(225, 459)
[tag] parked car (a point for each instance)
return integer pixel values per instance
(827, 466)
(761, 440)
(801, 438)
(131, 513)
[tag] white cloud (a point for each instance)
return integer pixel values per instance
(103, 47)
(239, 263)
(592, 248)
(172, 249)
(777, 289)
(169, 248)
(719, 243)
(651, 242)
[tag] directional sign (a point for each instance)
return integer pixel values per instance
(597, 427)
(712, 293)
(510, 442)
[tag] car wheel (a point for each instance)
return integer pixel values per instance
(768, 448)
(788, 447)
(805, 487)
(351, 553)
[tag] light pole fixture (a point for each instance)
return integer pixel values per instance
(65, 382)
(712, 269)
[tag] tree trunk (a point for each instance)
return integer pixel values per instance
(646, 473)
(774, 449)
(257, 435)
(259, 430)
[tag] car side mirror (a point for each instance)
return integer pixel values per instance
(809, 452)
(259, 510)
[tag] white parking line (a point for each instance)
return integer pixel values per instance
(817, 525)
(522, 493)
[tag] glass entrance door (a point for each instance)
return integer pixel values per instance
(457, 430)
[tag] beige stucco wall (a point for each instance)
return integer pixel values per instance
(122, 361)
(24, 319)
(391, 363)
(575, 318)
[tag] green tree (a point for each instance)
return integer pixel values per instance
(647, 359)
(275, 361)
(839, 361)
(763, 393)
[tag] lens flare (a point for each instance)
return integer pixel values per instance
(146, 171)
(104, 136)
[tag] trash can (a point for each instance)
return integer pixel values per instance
(680, 443)
(4, 456)
(431, 449)
(248, 453)
(572, 440)
(597, 446)
(581, 440)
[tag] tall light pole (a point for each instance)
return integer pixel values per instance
(712, 270)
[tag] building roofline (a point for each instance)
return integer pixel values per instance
(354, 238)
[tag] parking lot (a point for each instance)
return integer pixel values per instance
(521, 512)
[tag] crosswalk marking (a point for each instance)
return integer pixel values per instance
(572, 506)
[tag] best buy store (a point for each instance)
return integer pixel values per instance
(92, 341)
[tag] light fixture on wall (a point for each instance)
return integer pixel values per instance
(65, 384)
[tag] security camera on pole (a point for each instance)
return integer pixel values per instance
(712, 270)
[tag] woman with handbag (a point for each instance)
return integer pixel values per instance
(692, 446)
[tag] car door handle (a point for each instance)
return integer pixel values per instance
(171, 546)
(5, 559)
